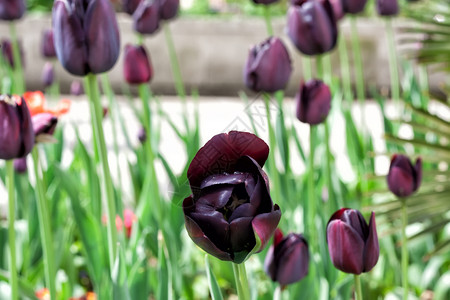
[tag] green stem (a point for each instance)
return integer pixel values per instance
(240, 276)
(311, 190)
(319, 66)
(96, 119)
(19, 85)
(331, 197)
(393, 63)
(11, 230)
(306, 66)
(267, 19)
(404, 250)
(358, 293)
(179, 86)
(44, 227)
(345, 69)
(140, 39)
(277, 293)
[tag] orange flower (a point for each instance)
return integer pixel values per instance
(36, 104)
(88, 296)
(128, 219)
(43, 294)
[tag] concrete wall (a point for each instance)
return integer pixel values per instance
(212, 52)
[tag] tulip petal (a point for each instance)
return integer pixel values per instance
(26, 131)
(345, 247)
(231, 179)
(293, 262)
(242, 238)
(264, 225)
(400, 182)
(372, 248)
(418, 173)
(214, 199)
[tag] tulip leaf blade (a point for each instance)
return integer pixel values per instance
(214, 288)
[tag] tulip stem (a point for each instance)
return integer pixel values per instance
(311, 191)
(44, 226)
(404, 250)
(11, 229)
(268, 20)
(277, 293)
(319, 66)
(179, 86)
(331, 197)
(96, 119)
(393, 63)
(358, 293)
(240, 276)
(19, 85)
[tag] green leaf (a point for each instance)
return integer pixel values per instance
(119, 277)
(214, 288)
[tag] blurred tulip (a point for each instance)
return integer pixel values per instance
(12, 9)
(7, 52)
(76, 88)
(403, 178)
(48, 45)
(352, 244)
(128, 220)
(354, 6)
(146, 17)
(142, 135)
(20, 166)
(311, 26)
(43, 294)
(88, 296)
(268, 67)
(48, 74)
(36, 104)
(168, 9)
(129, 6)
(287, 260)
(230, 202)
(44, 123)
(338, 9)
(86, 35)
(387, 7)
(136, 65)
(16, 129)
(313, 102)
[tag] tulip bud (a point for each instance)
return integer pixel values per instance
(352, 244)
(129, 6)
(313, 102)
(12, 9)
(20, 165)
(48, 45)
(128, 219)
(136, 65)
(287, 260)
(387, 7)
(16, 129)
(268, 66)
(76, 88)
(403, 178)
(168, 9)
(86, 35)
(142, 135)
(48, 74)
(312, 27)
(146, 17)
(7, 52)
(354, 6)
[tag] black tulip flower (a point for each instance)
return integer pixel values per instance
(76, 88)
(12, 9)
(129, 6)
(387, 7)
(354, 6)
(16, 129)
(268, 67)
(146, 17)
(48, 74)
(312, 27)
(313, 102)
(403, 178)
(168, 9)
(230, 213)
(287, 260)
(352, 243)
(137, 67)
(86, 35)
(48, 45)
(20, 165)
(7, 52)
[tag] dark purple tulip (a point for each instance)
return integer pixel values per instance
(142, 135)
(352, 244)
(168, 9)
(387, 7)
(287, 260)
(268, 66)
(12, 9)
(354, 6)
(313, 102)
(311, 26)
(230, 203)
(265, 2)
(44, 123)
(86, 35)
(136, 65)
(338, 9)
(48, 45)
(16, 129)
(146, 17)
(129, 6)
(7, 52)
(20, 165)
(403, 178)
(76, 88)
(48, 74)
